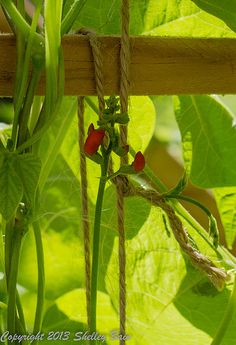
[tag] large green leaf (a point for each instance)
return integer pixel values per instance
(151, 17)
(11, 189)
(224, 10)
(189, 20)
(166, 297)
(209, 126)
(28, 169)
(226, 202)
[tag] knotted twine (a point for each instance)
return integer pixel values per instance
(97, 56)
(217, 276)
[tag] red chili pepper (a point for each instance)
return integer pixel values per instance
(139, 162)
(94, 140)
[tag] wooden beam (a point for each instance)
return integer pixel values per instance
(159, 65)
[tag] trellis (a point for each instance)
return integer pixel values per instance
(159, 65)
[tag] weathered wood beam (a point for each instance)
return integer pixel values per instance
(159, 65)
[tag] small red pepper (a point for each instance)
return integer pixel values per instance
(94, 140)
(139, 162)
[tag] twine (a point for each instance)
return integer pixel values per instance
(124, 70)
(84, 202)
(124, 92)
(98, 67)
(216, 275)
(99, 82)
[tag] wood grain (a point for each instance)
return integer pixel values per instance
(159, 65)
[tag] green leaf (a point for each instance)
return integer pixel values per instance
(106, 19)
(10, 185)
(28, 169)
(213, 138)
(226, 202)
(151, 17)
(142, 121)
(165, 293)
(224, 10)
(186, 19)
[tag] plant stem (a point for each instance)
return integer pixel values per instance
(71, 16)
(22, 76)
(20, 312)
(41, 279)
(10, 239)
(96, 240)
(91, 104)
(38, 132)
(25, 114)
(35, 112)
(19, 21)
(12, 281)
(9, 20)
(8, 247)
(230, 310)
(20, 51)
(191, 200)
(2, 232)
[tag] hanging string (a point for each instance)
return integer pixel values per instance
(124, 91)
(84, 202)
(124, 70)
